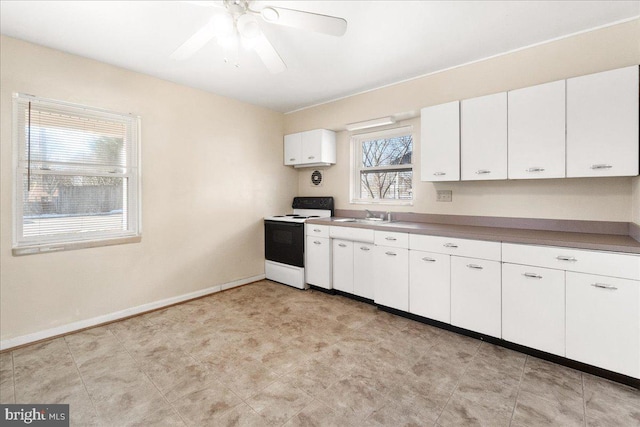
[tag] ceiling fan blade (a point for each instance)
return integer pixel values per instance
(325, 24)
(268, 54)
(195, 42)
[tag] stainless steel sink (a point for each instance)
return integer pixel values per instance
(370, 221)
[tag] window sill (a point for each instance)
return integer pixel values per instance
(69, 246)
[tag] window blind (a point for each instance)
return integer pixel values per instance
(76, 173)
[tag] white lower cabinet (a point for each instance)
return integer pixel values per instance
(476, 295)
(429, 285)
(533, 307)
(603, 322)
(391, 277)
(363, 270)
(343, 265)
(318, 262)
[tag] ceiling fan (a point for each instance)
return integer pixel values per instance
(240, 24)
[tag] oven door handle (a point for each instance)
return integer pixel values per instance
(284, 224)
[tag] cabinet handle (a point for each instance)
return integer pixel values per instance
(317, 242)
(450, 245)
(439, 173)
(292, 159)
(317, 230)
(532, 275)
(604, 286)
(342, 245)
(364, 248)
(475, 266)
(391, 253)
(311, 157)
(427, 259)
(390, 238)
(601, 166)
(535, 169)
(566, 258)
(482, 172)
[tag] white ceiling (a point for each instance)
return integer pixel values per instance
(386, 41)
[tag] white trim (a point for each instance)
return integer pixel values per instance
(497, 55)
(94, 321)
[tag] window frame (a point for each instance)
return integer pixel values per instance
(356, 165)
(22, 245)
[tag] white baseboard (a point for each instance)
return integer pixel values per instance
(83, 324)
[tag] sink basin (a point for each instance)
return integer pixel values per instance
(372, 221)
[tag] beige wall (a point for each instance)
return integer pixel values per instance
(636, 201)
(211, 169)
(608, 199)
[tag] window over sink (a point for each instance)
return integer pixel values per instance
(382, 167)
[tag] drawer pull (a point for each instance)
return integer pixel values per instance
(450, 245)
(292, 159)
(311, 157)
(390, 238)
(475, 266)
(342, 245)
(391, 253)
(364, 248)
(482, 172)
(535, 169)
(315, 242)
(439, 173)
(604, 286)
(566, 258)
(316, 230)
(601, 166)
(532, 275)
(427, 259)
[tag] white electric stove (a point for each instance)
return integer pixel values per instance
(284, 239)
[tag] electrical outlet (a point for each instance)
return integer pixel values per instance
(444, 196)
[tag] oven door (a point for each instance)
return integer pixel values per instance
(284, 242)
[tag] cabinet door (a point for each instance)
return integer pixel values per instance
(391, 277)
(293, 149)
(537, 131)
(476, 295)
(533, 307)
(602, 124)
(603, 322)
(363, 269)
(429, 285)
(318, 262)
(318, 146)
(483, 137)
(343, 265)
(440, 142)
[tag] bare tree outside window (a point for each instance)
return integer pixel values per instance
(384, 167)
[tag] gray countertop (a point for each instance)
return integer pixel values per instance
(600, 242)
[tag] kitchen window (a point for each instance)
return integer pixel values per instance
(76, 176)
(382, 168)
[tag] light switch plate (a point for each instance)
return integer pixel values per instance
(444, 196)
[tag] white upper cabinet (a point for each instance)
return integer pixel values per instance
(440, 142)
(602, 124)
(483, 137)
(293, 149)
(537, 131)
(311, 148)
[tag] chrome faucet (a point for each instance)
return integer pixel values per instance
(388, 216)
(369, 214)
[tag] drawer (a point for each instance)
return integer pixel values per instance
(351, 233)
(316, 230)
(394, 240)
(452, 246)
(579, 260)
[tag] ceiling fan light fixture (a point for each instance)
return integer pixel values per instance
(248, 26)
(222, 24)
(269, 14)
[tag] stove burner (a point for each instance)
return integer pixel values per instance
(300, 217)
